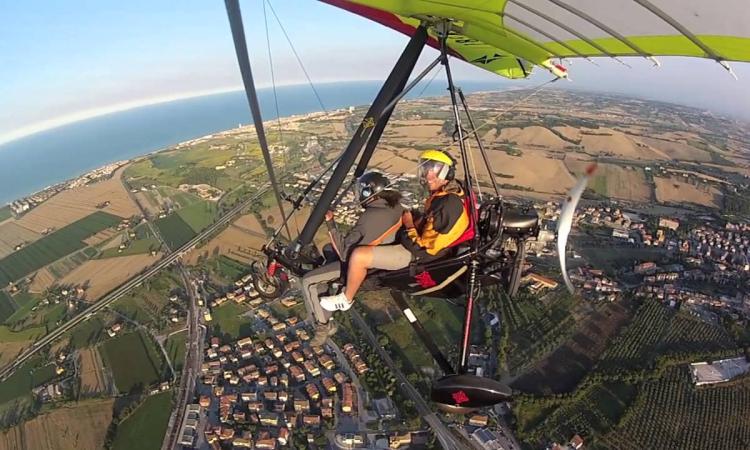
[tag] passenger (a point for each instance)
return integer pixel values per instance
(444, 221)
(378, 224)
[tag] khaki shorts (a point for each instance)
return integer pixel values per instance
(390, 257)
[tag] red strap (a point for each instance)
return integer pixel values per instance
(468, 234)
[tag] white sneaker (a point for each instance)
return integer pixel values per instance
(337, 302)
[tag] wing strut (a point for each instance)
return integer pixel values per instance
(392, 86)
(240, 46)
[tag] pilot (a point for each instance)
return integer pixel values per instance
(378, 225)
(444, 222)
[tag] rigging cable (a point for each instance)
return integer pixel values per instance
(296, 55)
(508, 109)
(273, 83)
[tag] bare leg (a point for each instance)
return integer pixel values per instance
(359, 262)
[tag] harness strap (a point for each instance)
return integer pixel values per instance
(377, 241)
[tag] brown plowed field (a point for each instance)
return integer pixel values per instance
(672, 190)
(43, 279)
(80, 426)
(12, 234)
(232, 242)
(73, 204)
(533, 170)
(102, 275)
(93, 380)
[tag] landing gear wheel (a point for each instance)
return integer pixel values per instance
(268, 287)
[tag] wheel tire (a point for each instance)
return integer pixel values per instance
(268, 287)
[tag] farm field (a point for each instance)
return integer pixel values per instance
(673, 190)
(596, 409)
(12, 234)
(175, 231)
(609, 142)
(93, 380)
(533, 136)
(145, 303)
(66, 265)
(176, 349)
(442, 321)
(228, 321)
(232, 242)
(7, 306)
(536, 326)
(5, 213)
(100, 276)
(199, 215)
(87, 333)
(144, 429)
(13, 342)
(656, 330)
(136, 247)
(133, 360)
(21, 382)
(54, 246)
(671, 413)
(533, 170)
(75, 204)
(614, 181)
(568, 364)
(43, 279)
(81, 426)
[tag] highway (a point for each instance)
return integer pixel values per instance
(444, 436)
(127, 287)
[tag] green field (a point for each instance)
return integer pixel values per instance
(199, 215)
(27, 334)
(25, 302)
(133, 359)
(144, 429)
(42, 375)
(657, 330)
(176, 232)
(671, 413)
(227, 321)
(535, 326)
(145, 304)
(226, 269)
(136, 247)
(442, 321)
(66, 265)
(53, 247)
(87, 333)
(175, 346)
(20, 383)
(5, 213)
(7, 307)
(596, 409)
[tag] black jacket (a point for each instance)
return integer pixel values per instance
(377, 225)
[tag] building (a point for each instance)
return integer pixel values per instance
(672, 224)
(478, 420)
(577, 441)
(720, 371)
(539, 282)
(399, 440)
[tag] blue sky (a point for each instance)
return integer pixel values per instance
(63, 58)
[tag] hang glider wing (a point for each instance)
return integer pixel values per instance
(509, 37)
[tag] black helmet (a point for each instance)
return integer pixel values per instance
(370, 184)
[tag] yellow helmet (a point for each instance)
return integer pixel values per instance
(438, 161)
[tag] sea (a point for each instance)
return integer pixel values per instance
(32, 163)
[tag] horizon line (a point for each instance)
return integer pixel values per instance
(90, 113)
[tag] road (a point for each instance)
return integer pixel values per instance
(127, 287)
(444, 436)
(191, 367)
